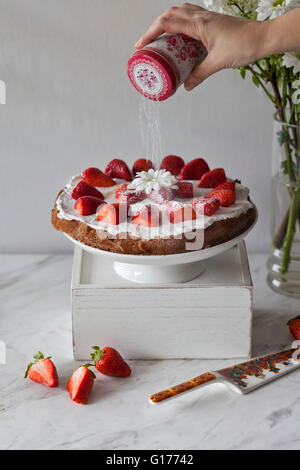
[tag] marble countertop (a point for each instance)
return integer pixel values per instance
(35, 315)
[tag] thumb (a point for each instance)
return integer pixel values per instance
(200, 73)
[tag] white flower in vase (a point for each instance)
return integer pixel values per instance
(269, 9)
(219, 6)
(296, 93)
(228, 7)
(292, 59)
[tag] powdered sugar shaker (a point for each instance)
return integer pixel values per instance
(157, 70)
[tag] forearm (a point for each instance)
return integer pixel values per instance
(260, 39)
(283, 33)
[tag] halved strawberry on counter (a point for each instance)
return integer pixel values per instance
(206, 206)
(212, 178)
(162, 195)
(80, 384)
(180, 213)
(109, 362)
(88, 205)
(85, 189)
(96, 177)
(142, 164)
(118, 169)
(173, 164)
(185, 190)
(42, 371)
(113, 214)
(225, 196)
(294, 326)
(149, 216)
(194, 169)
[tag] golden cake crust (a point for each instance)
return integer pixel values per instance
(217, 233)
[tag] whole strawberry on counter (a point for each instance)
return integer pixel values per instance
(80, 384)
(109, 362)
(42, 371)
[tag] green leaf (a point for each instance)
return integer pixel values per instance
(98, 355)
(242, 72)
(263, 63)
(283, 136)
(38, 356)
(284, 166)
(27, 370)
(255, 80)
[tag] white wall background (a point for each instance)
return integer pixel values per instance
(70, 105)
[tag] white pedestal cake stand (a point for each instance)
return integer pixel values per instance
(167, 269)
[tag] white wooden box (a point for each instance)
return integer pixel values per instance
(208, 317)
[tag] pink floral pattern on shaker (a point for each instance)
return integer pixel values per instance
(185, 49)
(146, 78)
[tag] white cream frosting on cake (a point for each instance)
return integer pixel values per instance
(65, 206)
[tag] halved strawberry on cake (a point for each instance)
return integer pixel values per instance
(144, 211)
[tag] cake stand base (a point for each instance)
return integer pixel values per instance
(151, 274)
(166, 269)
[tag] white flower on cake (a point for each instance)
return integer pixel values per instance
(269, 9)
(292, 59)
(153, 180)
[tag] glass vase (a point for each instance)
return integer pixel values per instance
(284, 259)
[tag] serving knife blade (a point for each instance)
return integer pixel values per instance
(243, 377)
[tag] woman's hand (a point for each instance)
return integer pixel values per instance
(230, 41)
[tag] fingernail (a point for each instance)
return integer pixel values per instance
(189, 86)
(137, 45)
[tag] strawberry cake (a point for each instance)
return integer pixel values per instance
(146, 211)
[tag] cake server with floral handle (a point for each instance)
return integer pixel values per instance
(243, 378)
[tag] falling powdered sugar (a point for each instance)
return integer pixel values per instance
(149, 120)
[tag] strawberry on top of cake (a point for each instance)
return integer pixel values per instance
(152, 203)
